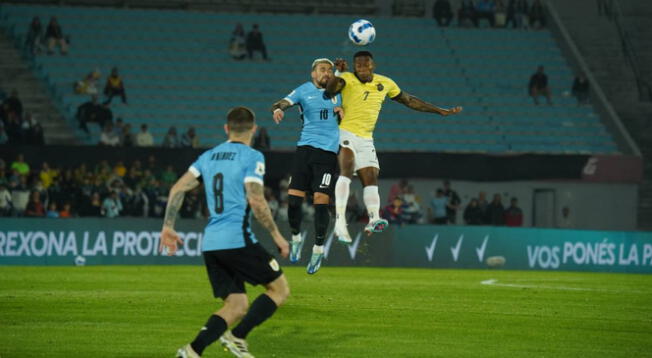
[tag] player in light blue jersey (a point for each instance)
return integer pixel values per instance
(232, 173)
(315, 161)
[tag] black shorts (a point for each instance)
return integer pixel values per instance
(228, 270)
(313, 170)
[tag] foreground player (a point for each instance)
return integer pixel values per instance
(315, 161)
(363, 93)
(233, 176)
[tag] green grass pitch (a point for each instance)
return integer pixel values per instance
(150, 311)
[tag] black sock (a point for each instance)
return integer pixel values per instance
(261, 309)
(214, 328)
(322, 218)
(295, 213)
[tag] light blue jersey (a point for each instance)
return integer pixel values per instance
(225, 169)
(320, 128)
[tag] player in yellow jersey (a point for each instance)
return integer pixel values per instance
(363, 93)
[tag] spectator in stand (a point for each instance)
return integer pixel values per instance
(54, 37)
(92, 206)
(35, 206)
(118, 127)
(473, 215)
(466, 15)
(5, 200)
(538, 86)
(496, 211)
(35, 135)
(108, 136)
(580, 90)
(52, 212)
(88, 112)
(171, 140)
(120, 169)
(442, 12)
(486, 9)
(394, 212)
(255, 42)
(412, 208)
(168, 177)
(4, 139)
(565, 222)
(144, 137)
(483, 204)
(500, 14)
(537, 15)
(237, 44)
(190, 207)
(262, 141)
(453, 202)
(89, 84)
(517, 14)
(514, 214)
(438, 206)
(66, 212)
(104, 115)
(20, 165)
(190, 139)
(47, 175)
(20, 194)
(126, 137)
(14, 129)
(397, 190)
(111, 206)
(13, 104)
(115, 87)
(34, 38)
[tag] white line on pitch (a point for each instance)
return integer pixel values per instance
(494, 282)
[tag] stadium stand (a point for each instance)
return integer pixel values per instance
(177, 71)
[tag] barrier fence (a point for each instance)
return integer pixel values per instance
(136, 241)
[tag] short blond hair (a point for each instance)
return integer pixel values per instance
(321, 60)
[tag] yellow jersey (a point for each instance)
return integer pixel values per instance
(362, 102)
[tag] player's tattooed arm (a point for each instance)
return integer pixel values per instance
(282, 105)
(417, 104)
(263, 214)
(169, 238)
(259, 205)
(278, 110)
(175, 199)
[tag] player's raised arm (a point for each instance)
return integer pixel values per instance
(417, 104)
(263, 214)
(169, 237)
(278, 109)
(336, 84)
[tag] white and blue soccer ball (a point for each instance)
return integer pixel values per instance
(80, 261)
(362, 32)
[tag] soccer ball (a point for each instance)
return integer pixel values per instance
(80, 261)
(362, 32)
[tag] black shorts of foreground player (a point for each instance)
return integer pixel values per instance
(315, 161)
(233, 176)
(363, 93)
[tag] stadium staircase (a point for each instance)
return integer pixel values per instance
(178, 72)
(599, 41)
(15, 73)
